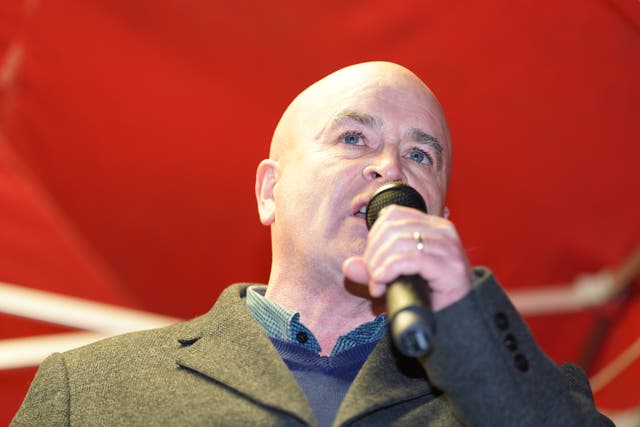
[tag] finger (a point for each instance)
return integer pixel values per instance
(403, 242)
(424, 224)
(404, 221)
(355, 269)
(377, 289)
(397, 265)
(441, 261)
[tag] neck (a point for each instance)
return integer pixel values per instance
(329, 309)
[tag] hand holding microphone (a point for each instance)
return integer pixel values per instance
(397, 255)
(408, 307)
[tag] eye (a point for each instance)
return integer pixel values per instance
(420, 156)
(352, 138)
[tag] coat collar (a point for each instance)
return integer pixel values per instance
(386, 378)
(228, 346)
(232, 349)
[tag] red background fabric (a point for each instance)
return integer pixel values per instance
(130, 133)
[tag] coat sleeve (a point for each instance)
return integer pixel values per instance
(493, 372)
(47, 402)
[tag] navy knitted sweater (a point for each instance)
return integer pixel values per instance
(324, 379)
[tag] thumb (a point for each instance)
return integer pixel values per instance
(355, 269)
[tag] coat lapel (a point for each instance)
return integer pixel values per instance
(232, 349)
(386, 378)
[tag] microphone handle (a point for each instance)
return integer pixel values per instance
(409, 318)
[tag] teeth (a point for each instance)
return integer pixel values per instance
(363, 210)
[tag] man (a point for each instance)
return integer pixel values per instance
(312, 349)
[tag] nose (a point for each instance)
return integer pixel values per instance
(385, 165)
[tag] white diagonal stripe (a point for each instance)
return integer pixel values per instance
(76, 312)
(25, 352)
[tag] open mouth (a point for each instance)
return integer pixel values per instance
(362, 212)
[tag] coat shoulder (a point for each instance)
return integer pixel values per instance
(147, 345)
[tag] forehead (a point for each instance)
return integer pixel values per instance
(406, 107)
(378, 92)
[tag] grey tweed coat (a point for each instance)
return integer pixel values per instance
(220, 369)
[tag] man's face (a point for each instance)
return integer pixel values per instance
(344, 141)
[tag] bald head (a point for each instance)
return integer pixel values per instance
(338, 141)
(311, 110)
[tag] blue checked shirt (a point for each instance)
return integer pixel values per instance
(284, 324)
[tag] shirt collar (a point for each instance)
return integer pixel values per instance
(281, 323)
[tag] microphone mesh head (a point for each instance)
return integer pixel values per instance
(393, 193)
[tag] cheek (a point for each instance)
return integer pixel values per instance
(320, 185)
(434, 197)
(436, 204)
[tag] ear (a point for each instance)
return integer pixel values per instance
(446, 213)
(266, 178)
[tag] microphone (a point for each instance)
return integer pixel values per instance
(408, 304)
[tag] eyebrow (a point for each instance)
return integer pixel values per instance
(362, 118)
(345, 117)
(421, 137)
(418, 135)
